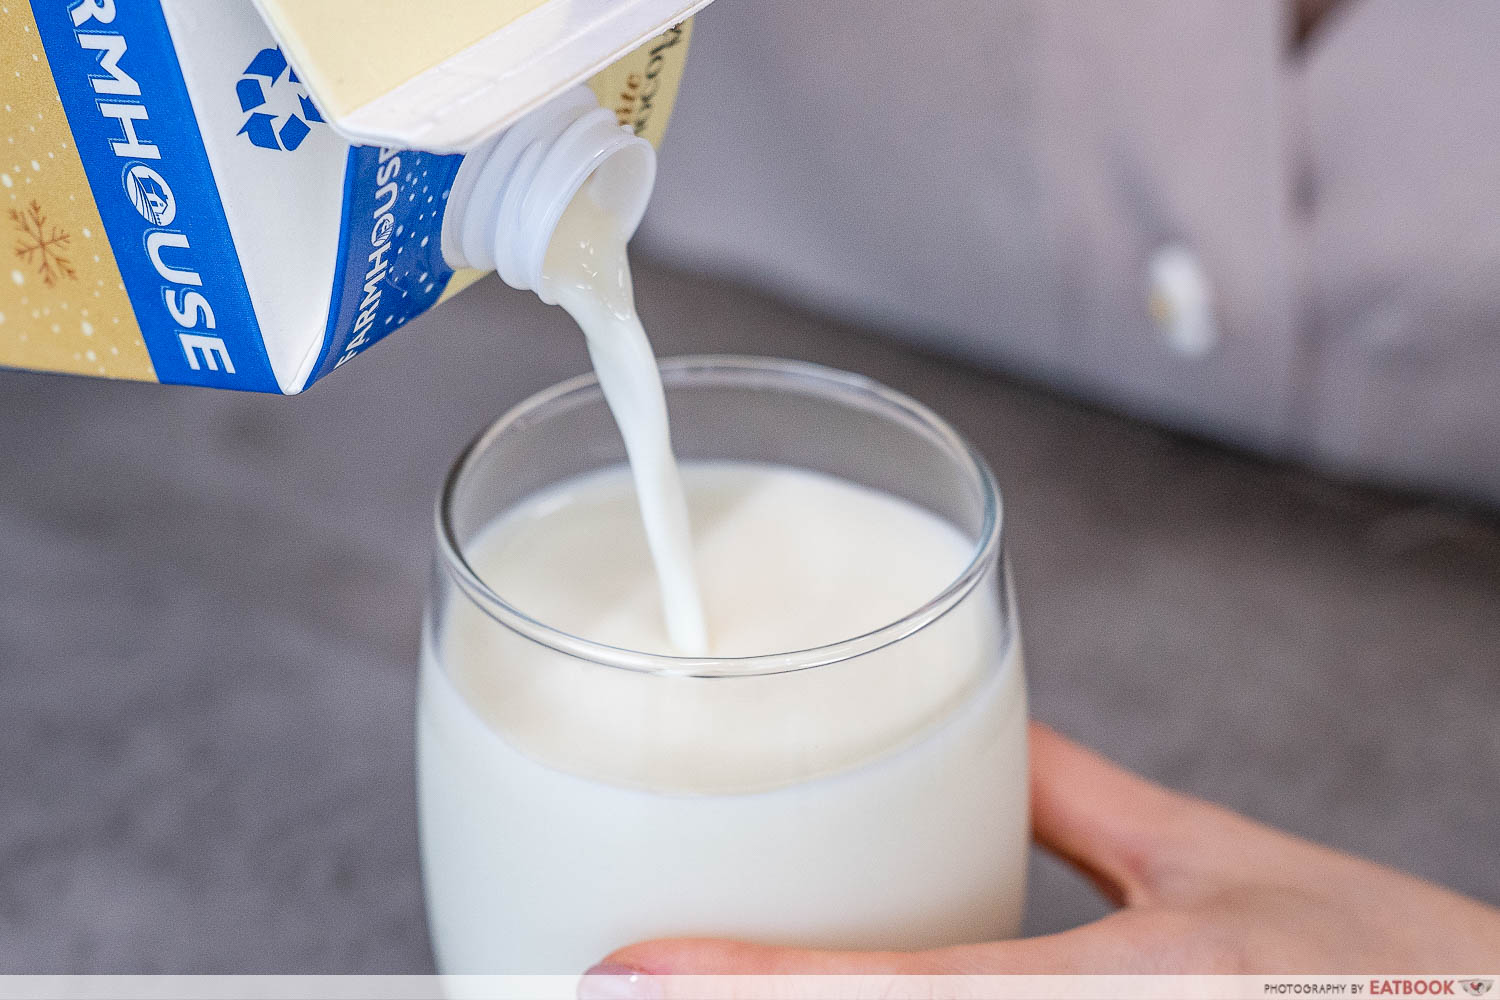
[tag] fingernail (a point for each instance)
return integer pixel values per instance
(616, 982)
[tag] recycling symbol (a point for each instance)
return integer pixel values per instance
(277, 107)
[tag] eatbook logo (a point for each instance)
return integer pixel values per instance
(1476, 987)
(278, 112)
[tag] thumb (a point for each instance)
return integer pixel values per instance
(1116, 827)
(702, 967)
(707, 956)
(707, 969)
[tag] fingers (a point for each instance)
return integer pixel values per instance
(728, 970)
(1119, 829)
(1123, 942)
(711, 957)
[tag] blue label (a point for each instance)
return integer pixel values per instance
(391, 266)
(127, 105)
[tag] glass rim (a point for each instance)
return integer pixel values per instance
(674, 369)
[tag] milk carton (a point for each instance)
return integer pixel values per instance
(247, 196)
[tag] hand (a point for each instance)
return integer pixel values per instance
(1201, 890)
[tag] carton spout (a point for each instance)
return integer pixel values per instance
(510, 192)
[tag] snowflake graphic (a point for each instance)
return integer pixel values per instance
(39, 245)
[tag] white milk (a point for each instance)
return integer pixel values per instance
(568, 808)
(586, 271)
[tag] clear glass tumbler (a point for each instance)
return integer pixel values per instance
(871, 793)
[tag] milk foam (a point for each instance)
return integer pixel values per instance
(788, 559)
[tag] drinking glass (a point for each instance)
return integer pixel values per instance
(575, 797)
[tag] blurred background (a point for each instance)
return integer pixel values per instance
(1213, 286)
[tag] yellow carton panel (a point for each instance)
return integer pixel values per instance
(364, 48)
(62, 305)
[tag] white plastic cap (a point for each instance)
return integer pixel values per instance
(510, 192)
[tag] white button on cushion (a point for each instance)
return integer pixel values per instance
(1181, 301)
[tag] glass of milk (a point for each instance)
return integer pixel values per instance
(846, 770)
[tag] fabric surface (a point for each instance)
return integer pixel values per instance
(209, 606)
(1002, 181)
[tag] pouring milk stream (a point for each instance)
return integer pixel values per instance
(587, 273)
